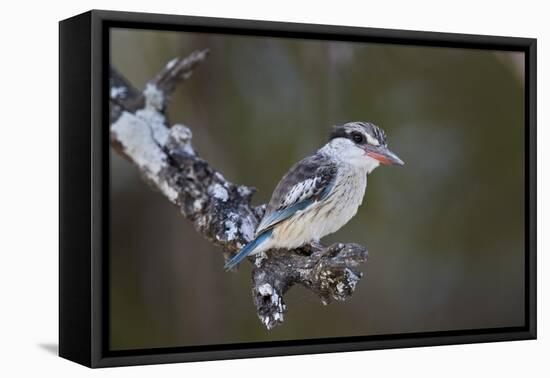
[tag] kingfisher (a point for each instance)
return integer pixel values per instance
(322, 192)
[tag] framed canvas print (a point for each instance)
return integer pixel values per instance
(233, 188)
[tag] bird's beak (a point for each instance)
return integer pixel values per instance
(383, 155)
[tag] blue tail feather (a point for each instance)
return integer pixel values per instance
(247, 249)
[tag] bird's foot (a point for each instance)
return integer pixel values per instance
(316, 246)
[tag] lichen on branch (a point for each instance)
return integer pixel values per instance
(219, 210)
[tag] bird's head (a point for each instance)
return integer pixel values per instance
(362, 144)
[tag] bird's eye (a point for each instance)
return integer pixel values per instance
(357, 138)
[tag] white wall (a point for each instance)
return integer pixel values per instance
(28, 199)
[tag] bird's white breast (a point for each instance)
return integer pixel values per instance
(342, 205)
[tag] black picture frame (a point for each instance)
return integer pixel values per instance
(84, 187)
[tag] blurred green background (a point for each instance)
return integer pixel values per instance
(445, 232)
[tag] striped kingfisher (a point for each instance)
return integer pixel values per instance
(322, 192)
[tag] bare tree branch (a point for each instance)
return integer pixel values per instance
(218, 209)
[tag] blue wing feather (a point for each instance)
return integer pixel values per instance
(280, 215)
(319, 191)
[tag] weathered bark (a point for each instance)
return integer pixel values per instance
(218, 209)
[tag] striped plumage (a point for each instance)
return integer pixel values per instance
(322, 192)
